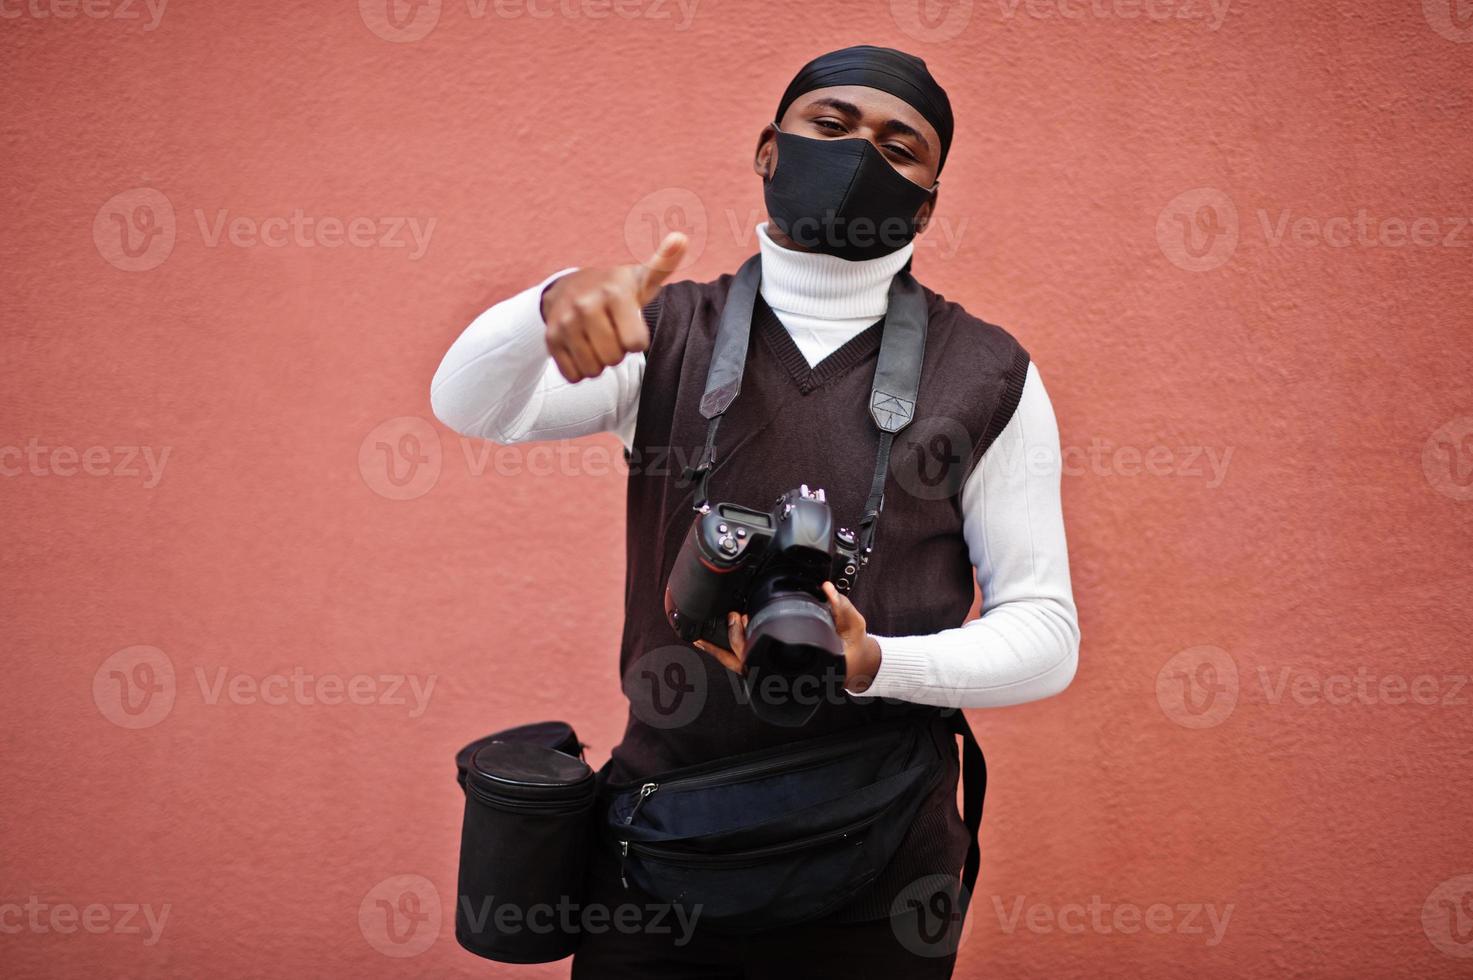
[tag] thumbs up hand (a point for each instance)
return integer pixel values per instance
(594, 316)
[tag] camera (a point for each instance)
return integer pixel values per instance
(770, 565)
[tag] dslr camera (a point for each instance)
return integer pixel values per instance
(770, 565)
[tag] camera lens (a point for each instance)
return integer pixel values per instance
(793, 655)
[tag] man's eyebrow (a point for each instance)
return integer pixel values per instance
(852, 111)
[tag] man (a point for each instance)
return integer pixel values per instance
(850, 169)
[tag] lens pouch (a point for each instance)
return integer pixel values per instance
(524, 844)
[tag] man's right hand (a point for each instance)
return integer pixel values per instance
(594, 316)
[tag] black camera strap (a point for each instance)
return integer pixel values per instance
(892, 396)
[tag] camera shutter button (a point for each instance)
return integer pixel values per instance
(728, 544)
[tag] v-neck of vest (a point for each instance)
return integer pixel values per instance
(808, 378)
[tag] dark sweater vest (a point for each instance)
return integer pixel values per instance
(794, 425)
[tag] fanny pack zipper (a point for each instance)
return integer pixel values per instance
(716, 773)
(644, 794)
(672, 856)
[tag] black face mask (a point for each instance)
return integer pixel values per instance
(841, 197)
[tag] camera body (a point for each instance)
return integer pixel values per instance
(770, 565)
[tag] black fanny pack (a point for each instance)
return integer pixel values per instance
(787, 835)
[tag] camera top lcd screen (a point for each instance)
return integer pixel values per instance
(749, 517)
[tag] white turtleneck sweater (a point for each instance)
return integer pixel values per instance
(498, 382)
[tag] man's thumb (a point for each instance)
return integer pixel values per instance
(667, 259)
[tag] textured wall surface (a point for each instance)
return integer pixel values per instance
(254, 597)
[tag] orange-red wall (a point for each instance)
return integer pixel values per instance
(1270, 712)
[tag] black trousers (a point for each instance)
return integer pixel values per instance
(643, 939)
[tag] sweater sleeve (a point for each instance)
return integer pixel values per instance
(1025, 645)
(499, 382)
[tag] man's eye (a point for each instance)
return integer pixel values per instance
(829, 124)
(900, 150)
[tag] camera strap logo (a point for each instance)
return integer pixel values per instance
(1198, 687)
(135, 687)
(667, 686)
(400, 916)
(892, 413)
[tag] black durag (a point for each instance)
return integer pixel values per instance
(902, 75)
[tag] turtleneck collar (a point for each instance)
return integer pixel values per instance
(826, 287)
